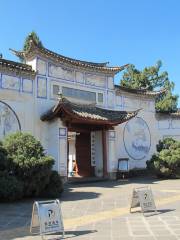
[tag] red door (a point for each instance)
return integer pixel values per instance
(83, 155)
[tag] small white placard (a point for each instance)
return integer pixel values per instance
(123, 165)
(143, 197)
(46, 217)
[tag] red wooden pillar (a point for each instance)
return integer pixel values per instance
(104, 148)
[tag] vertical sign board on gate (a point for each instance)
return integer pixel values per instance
(47, 217)
(143, 197)
(93, 139)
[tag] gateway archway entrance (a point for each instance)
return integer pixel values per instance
(79, 155)
(85, 157)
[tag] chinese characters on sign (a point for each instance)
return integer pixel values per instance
(93, 161)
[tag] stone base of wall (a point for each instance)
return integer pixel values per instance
(112, 175)
(64, 179)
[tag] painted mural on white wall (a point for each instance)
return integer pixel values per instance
(137, 138)
(8, 121)
(61, 72)
(10, 82)
(95, 80)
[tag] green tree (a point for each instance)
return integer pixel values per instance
(32, 36)
(150, 78)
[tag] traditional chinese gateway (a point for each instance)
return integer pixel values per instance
(82, 119)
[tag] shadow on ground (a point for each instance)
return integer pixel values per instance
(114, 183)
(153, 213)
(70, 195)
(24, 231)
(71, 234)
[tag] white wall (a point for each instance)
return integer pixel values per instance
(137, 138)
(168, 126)
(19, 95)
(30, 98)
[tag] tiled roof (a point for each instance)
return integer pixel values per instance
(139, 91)
(88, 112)
(15, 66)
(35, 48)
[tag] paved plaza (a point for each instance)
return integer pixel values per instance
(101, 211)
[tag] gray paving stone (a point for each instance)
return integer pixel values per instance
(163, 232)
(173, 227)
(121, 237)
(140, 232)
(166, 238)
(144, 238)
(176, 231)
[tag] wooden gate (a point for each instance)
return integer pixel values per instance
(83, 155)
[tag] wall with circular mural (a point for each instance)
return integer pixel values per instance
(9, 122)
(137, 138)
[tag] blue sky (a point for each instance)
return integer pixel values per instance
(119, 31)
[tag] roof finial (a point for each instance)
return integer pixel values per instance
(60, 96)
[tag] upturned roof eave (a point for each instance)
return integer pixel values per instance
(143, 92)
(100, 67)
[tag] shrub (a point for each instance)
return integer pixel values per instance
(27, 161)
(10, 188)
(55, 186)
(3, 158)
(166, 162)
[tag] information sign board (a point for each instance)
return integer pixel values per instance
(123, 165)
(143, 197)
(47, 217)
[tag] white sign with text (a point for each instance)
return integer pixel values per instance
(46, 217)
(143, 197)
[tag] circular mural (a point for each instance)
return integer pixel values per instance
(9, 122)
(137, 138)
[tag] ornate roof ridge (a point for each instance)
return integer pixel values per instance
(34, 47)
(140, 90)
(12, 65)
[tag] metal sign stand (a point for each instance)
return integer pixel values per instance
(143, 197)
(47, 218)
